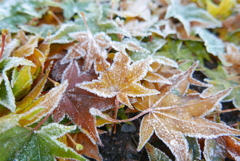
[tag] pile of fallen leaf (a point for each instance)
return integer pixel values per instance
(72, 70)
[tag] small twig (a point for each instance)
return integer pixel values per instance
(68, 123)
(53, 81)
(70, 138)
(77, 145)
(115, 114)
(97, 112)
(55, 17)
(228, 110)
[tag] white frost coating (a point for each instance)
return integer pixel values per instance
(194, 14)
(51, 100)
(165, 61)
(55, 130)
(73, 64)
(7, 122)
(9, 102)
(14, 62)
(213, 44)
(64, 28)
(168, 29)
(95, 112)
(10, 47)
(106, 94)
(74, 52)
(173, 142)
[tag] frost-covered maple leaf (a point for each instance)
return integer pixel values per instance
(20, 143)
(91, 47)
(136, 8)
(174, 115)
(76, 102)
(120, 80)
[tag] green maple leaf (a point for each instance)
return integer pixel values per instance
(213, 44)
(219, 79)
(16, 12)
(61, 35)
(24, 144)
(70, 7)
(40, 31)
(98, 21)
(189, 13)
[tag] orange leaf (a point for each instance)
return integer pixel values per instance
(120, 80)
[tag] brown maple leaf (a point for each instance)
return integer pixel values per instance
(76, 102)
(174, 115)
(120, 80)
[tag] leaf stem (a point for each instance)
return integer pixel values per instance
(55, 17)
(4, 34)
(97, 112)
(228, 110)
(85, 21)
(37, 127)
(115, 114)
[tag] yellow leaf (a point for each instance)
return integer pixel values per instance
(223, 10)
(48, 102)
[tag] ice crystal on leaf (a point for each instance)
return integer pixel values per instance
(91, 47)
(155, 154)
(120, 80)
(76, 102)
(7, 98)
(174, 115)
(194, 14)
(48, 102)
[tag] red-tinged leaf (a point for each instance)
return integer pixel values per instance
(77, 102)
(120, 80)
